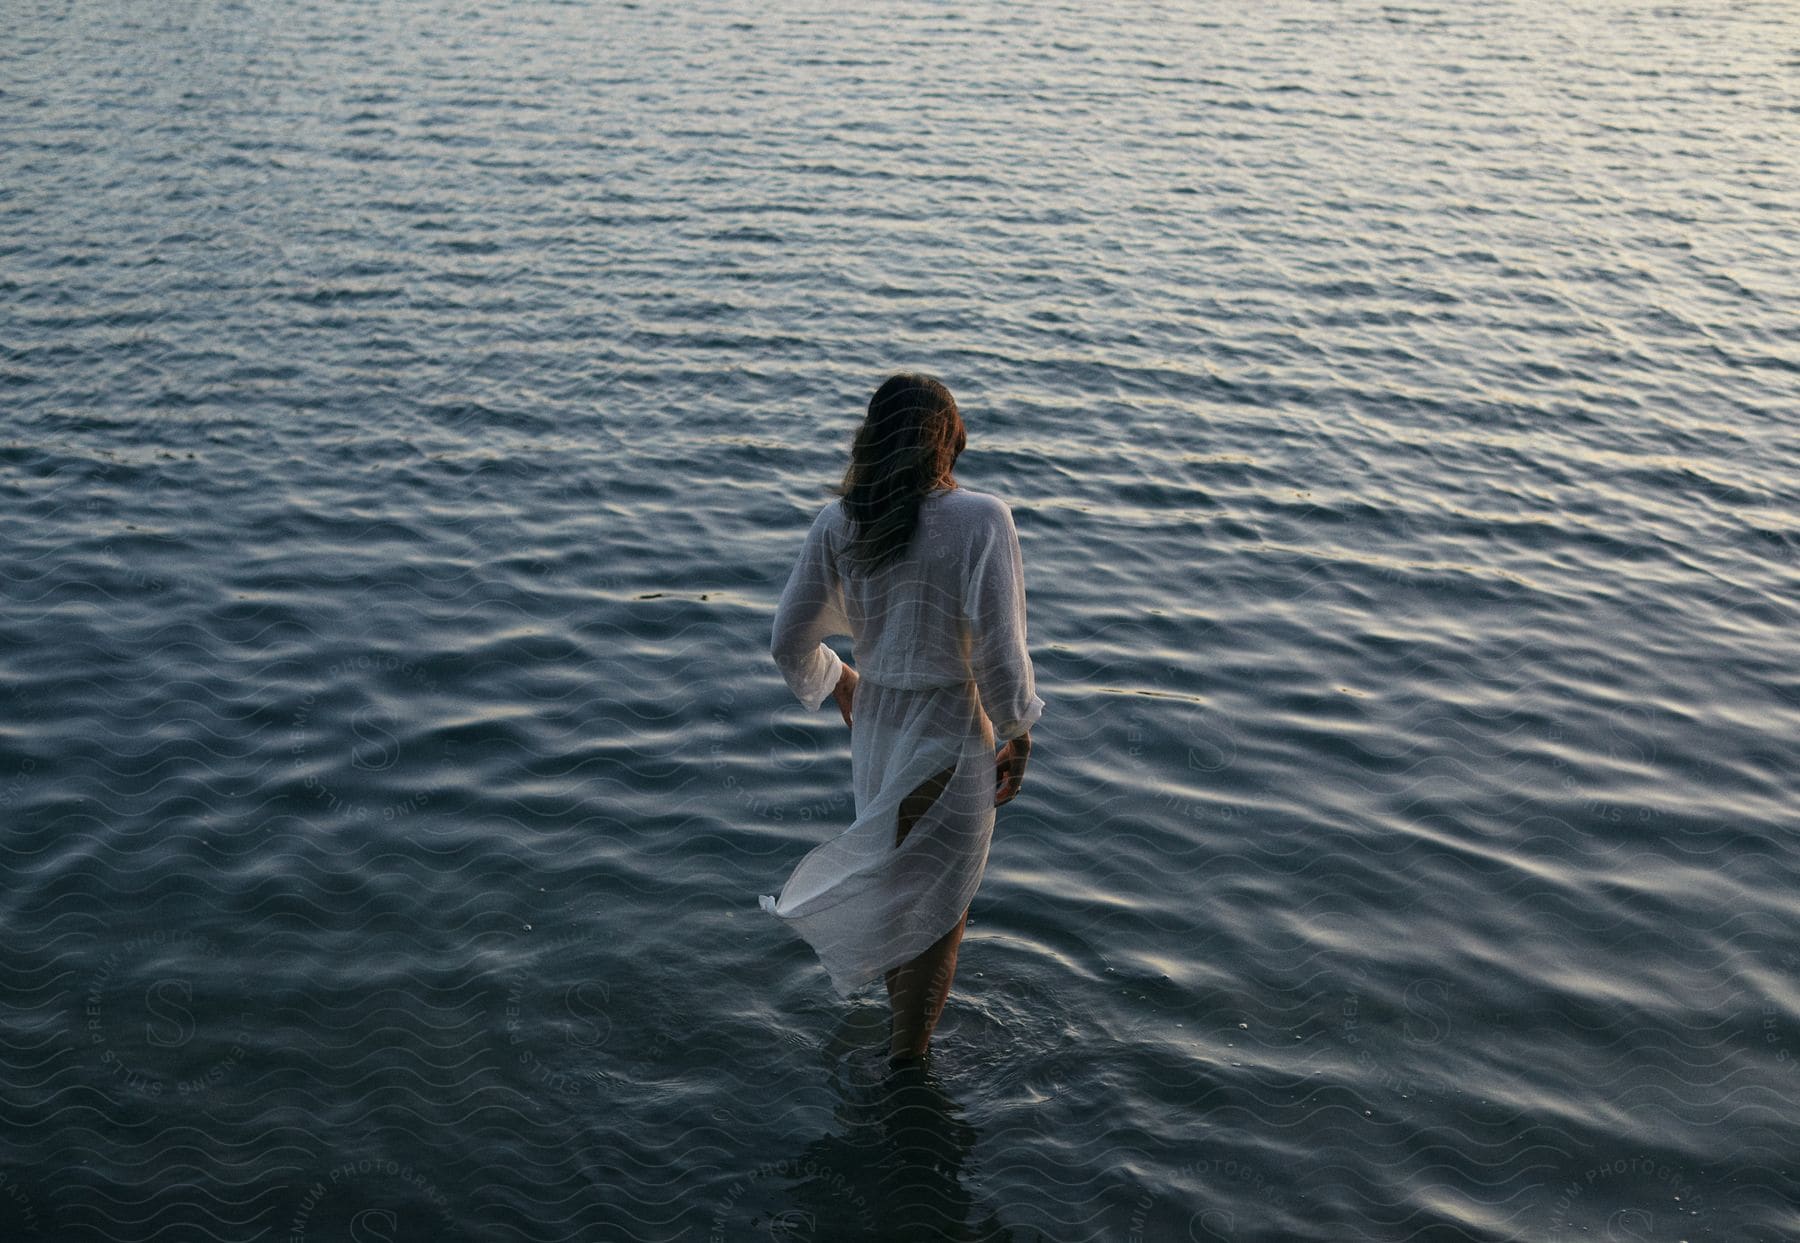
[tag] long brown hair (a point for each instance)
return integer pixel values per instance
(906, 446)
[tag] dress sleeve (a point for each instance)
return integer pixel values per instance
(811, 607)
(994, 609)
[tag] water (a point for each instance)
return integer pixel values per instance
(413, 410)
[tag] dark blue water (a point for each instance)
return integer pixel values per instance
(412, 411)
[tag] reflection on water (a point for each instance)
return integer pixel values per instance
(894, 1165)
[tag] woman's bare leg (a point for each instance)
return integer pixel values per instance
(930, 974)
(918, 990)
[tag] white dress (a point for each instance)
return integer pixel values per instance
(945, 677)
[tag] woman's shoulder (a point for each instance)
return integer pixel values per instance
(978, 511)
(971, 501)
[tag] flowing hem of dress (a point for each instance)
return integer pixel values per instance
(862, 903)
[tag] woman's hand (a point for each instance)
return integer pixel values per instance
(1009, 768)
(845, 688)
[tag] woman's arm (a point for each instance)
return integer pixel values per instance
(1009, 768)
(811, 607)
(994, 610)
(845, 690)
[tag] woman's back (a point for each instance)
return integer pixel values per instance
(950, 608)
(908, 617)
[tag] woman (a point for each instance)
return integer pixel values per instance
(926, 578)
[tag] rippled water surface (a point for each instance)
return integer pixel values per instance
(411, 412)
